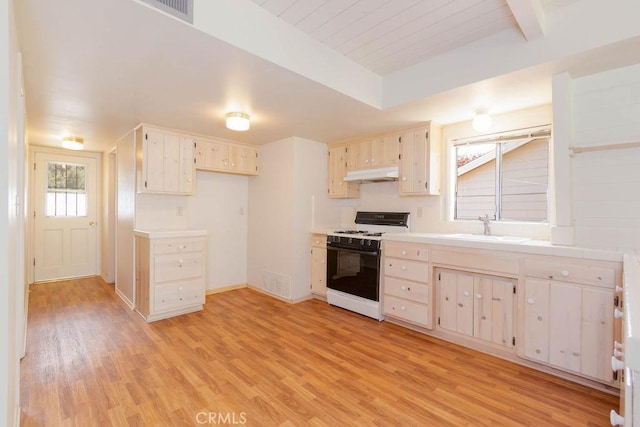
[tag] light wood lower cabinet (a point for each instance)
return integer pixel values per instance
(170, 276)
(319, 265)
(477, 305)
(569, 326)
(407, 293)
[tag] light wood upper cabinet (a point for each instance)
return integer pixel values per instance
(378, 152)
(420, 151)
(222, 156)
(165, 162)
(338, 187)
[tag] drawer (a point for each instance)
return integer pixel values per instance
(178, 245)
(410, 311)
(412, 251)
(168, 268)
(569, 272)
(176, 295)
(408, 290)
(404, 269)
(319, 240)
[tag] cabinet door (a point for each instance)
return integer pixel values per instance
(319, 271)
(187, 165)
(200, 153)
(565, 307)
(447, 300)
(377, 152)
(456, 302)
(464, 304)
(420, 141)
(338, 187)
(242, 159)
(536, 320)
(501, 317)
(153, 160)
(352, 156)
(391, 147)
(407, 165)
(597, 333)
(171, 166)
(364, 154)
(217, 155)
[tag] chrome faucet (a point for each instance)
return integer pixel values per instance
(487, 224)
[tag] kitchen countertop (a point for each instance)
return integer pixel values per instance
(167, 234)
(538, 247)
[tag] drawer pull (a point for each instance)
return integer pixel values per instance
(565, 273)
(404, 267)
(618, 313)
(615, 419)
(531, 301)
(404, 252)
(496, 299)
(616, 364)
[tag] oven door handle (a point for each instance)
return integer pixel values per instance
(372, 253)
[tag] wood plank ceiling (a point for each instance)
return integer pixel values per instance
(388, 35)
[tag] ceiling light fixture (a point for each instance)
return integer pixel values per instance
(482, 121)
(238, 121)
(73, 142)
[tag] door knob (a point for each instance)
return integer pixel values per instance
(92, 223)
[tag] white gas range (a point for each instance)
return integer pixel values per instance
(353, 261)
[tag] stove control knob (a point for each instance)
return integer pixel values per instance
(350, 240)
(368, 242)
(362, 242)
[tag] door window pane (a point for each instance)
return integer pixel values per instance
(66, 193)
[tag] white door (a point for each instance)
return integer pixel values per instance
(65, 210)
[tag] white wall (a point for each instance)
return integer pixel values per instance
(286, 201)
(431, 214)
(605, 185)
(220, 206)
(11, 224)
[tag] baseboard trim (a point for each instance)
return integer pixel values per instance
(126, 300)
(225, 289)
(290, 301)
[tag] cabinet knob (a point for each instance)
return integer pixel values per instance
(531, 301)
(188, 179)
(618, 288)
(404, 252)
(616, 364)
(617, 345)
(404, 288)
(478, 296)
(404, 267)
(538, 351)
(467, 293)
(404, 178)
(618, 353)
(565, 273)
(403, 308)
(615, 419)
(618, 313)
(180, 288)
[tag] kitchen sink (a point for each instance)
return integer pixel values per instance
(483, 238)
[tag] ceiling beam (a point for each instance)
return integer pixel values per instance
(530, 17)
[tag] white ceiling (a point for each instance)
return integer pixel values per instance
(97, 68)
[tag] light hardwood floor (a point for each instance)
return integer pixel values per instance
(251, 358)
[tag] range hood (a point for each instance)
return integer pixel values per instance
(373, 175)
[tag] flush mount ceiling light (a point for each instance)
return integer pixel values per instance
(238, 121)
(482, 121)
(73, 142)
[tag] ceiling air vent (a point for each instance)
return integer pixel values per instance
(181, 9)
